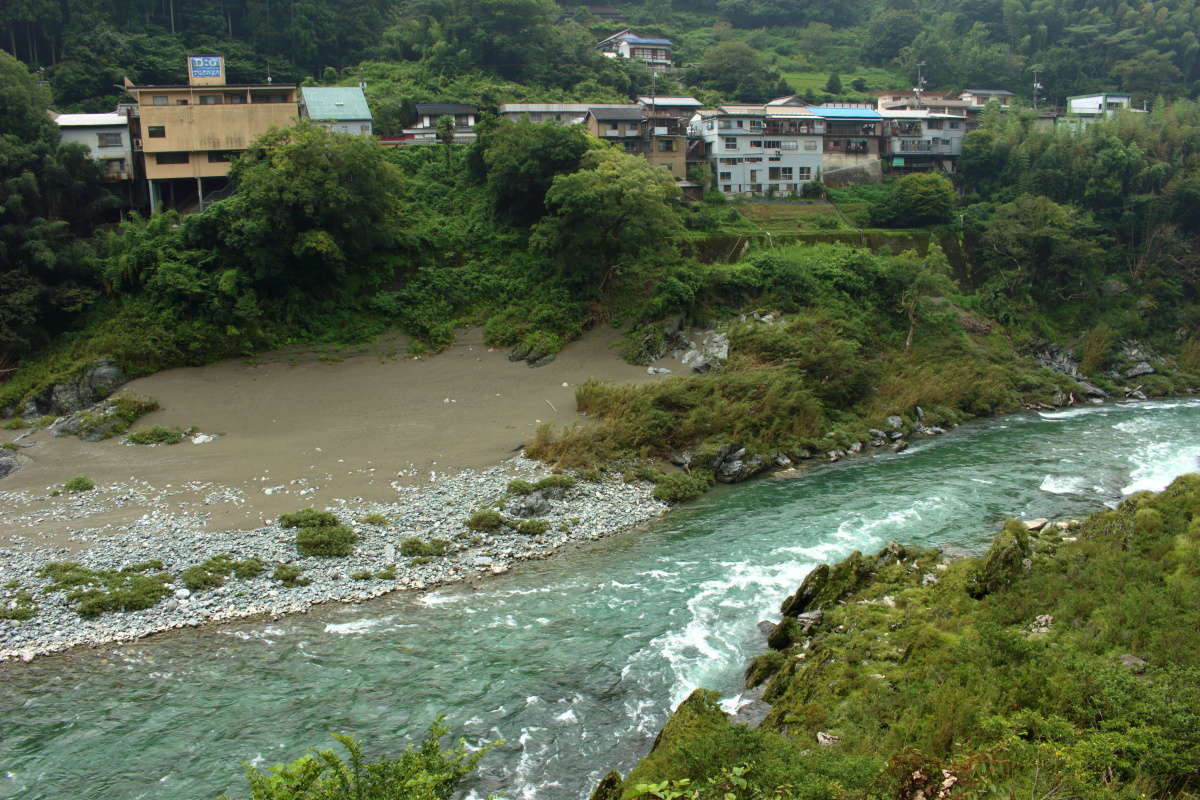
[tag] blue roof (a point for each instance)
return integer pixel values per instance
(335, 102)
(640, 40)
(844, 113)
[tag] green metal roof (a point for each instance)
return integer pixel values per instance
(335, 102)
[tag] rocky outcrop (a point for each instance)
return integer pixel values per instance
(709, 354)
(95, 383)
(8, 464)
(1005, 561)
(733, 464)
(535, 504)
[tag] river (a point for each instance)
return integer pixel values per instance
(576, 661)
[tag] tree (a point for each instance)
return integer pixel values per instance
(51, 199)
(314, 219)
(517, 163)
(615, 210)
(1034, 242)
(922, 198)
(834, 84)
(23, 103)
(445, 133)
(859, 84)
(733, 67)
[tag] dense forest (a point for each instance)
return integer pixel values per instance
(493, 51)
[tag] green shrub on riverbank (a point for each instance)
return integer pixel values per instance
(320, 533)
(427, 771)
(80, 483)
(216, 570)
(1075, 674)
(96, 591)
(156, 434)
(289, 575)
(414, 547)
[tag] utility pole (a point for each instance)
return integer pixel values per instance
(1037, 87)
(920, 87)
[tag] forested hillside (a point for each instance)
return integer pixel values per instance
(492, 51)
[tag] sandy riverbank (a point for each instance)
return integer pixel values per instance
(422, 443)
(297, 429)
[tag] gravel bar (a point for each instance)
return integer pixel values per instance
(588, 510)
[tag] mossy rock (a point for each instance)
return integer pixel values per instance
(696, 718)
(1004, 562)
(610, 787)
(763, 667)
(826, 585)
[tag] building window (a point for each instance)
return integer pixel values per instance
(933, 124)
(731, 143)
(219, 157)
(156, 131)
(268, 97)
(211, 100)
(666, 145)
(810, 145)
(631, 147)
(756, 124)
(161, 100)
(954, 125)
(235, 99)
(725, 176)
(364, 128)
(804, 173)
(114, 166)
(108, 139)
(170, 158)
(779, 173)
(181, 102)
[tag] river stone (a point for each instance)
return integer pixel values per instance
(534, 504)
(8, 465)
(894, 422)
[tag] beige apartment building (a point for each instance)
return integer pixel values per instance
(187, 136)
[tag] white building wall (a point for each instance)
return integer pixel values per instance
(748, 161)
(90, 138)
(361, 127)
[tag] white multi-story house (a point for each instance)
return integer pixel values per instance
(921, 139)
(428, 114)
(981, 97)
(1084, 109)
(760, 150)
(106, 136)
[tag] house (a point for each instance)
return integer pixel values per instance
(627, 44)
(852, 135)
(981, 97)
(188, 135)
(915, 140)
(564, 113)
(106, 136)
(341, 109)
(683, 108)
(428, 114)
(760, 150)
(660, 139)
(1085, 109)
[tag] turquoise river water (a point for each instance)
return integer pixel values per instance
(575, 661)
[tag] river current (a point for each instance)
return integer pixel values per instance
(574, 662)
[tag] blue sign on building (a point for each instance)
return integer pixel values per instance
(206, 66)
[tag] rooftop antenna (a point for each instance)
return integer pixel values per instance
(920, 87)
